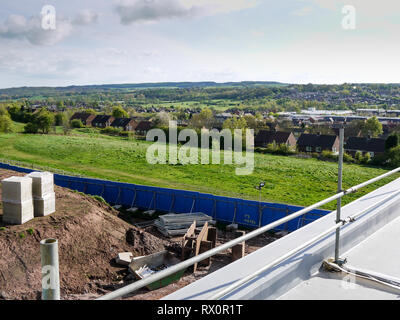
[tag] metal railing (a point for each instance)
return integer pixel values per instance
(185, 264)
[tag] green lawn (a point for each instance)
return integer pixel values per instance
(288, 180)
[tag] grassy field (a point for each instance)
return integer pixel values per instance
(288, 180)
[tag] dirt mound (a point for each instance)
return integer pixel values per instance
(90, 234)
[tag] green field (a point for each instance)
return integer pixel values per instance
(288, 180)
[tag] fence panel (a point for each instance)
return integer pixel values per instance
(247, 213)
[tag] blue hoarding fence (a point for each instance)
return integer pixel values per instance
(247, 213)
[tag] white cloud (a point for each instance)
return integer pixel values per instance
(31, 30)
(302, 11)
(85, 17)
(134, 11)
(18, 27)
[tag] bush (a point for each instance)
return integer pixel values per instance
(347, 157)
(366, 158)
(76, 123)
(358, 156)
(284, 149)
(31, 128)
(394, 156)
(111, 131)
(379, 160)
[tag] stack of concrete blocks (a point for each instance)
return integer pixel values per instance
(44, 198)
(17, 200)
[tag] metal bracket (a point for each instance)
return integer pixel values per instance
(341, 261)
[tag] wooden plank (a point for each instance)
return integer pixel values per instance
(238, 251)
(212, 235)
(205, 246)
(187, 240)
(201, 237)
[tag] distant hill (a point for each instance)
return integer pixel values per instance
(207, 84)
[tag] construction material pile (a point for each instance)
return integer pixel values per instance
(171, 225)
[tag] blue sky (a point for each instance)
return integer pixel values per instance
(132, 41)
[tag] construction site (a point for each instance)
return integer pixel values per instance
(102, 248)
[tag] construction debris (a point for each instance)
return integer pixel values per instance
(150, 213)
(232, 227)
(124, 258)
(17, 200)
(195, 245)
(172, 225)
(148, 265)
(133, 210)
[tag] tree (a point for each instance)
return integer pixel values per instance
(59, 119)
(162, 119)
(252, 122)
(394, 156)
(43, 120)
(3, 111)
(203, 119)
(31, 127)
(5, 124)
(392, 141)
(372, 127)
(234, 123)
(119, 112)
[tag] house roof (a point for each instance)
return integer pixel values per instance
(144, 126)
(265, 136)
(101, 118)
(121, 122)
(81, 116)
(315, 140)
(365, 144)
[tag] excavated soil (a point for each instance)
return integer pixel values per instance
(90, 235)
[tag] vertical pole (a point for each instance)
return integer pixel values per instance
(259, 211)
(339, 200)
(50, 269)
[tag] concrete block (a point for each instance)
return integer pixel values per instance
(124, 258)
(42, 183)
(17, 213)
(17, 189)
(45, 206)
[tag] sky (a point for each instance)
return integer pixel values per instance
(138, 41)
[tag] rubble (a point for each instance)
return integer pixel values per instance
(124, 258)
